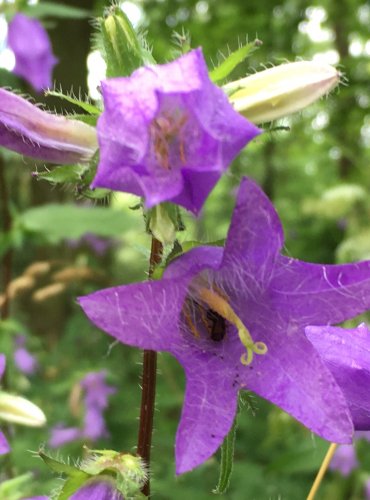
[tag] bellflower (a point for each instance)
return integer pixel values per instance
(4, 446)
(30, 131)
(96, 394)
(168, 133)
(344, 460)
(98, 488)
(347, 355)
(24, 360)
(234, 317)
(34, 59)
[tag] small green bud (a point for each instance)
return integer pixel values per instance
(123, 50)
(282, 90)
(19, 410)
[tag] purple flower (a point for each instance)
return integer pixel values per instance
(98, 488)
(96, 397)
(28, 130)
(367, 489)
(24, 361)
(4, 446)
(62, 435)
(344, 460)
(234, 318)
(34, 59)
(347, 355)
(168, 133)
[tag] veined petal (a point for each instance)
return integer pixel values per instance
(28, 130)
(207, 416)
(347, 355)
(255, 235)
(127, 312)
(321, 294)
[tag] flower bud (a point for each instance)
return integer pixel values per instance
(123, 53)
(282, 90)
(162, 224)
(19, 410)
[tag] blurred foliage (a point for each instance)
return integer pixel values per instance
(317, 173)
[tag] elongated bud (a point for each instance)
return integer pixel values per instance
(19, 410)
(282, 90)
(28, 130)
(122, 47)
(163, 222)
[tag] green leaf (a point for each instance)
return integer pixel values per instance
(227, 460)
(12, 489)
(224, 69)
(57, 222)
(63, 174)
(86, 106)
(62, 468)
(46, 9)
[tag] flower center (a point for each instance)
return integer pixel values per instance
(220, 309)
(167, 138)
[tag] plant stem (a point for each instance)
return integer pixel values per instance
(148, 383)
(323, 468)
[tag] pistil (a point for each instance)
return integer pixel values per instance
(220, 304)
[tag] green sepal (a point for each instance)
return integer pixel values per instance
(86, 106)
(64, 174)
(49, 9)
(228, 65)
(123, 51)
(62, 468)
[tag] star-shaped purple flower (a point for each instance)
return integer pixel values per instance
(34, 59)
(234, 317)
(168, 133)
(347, 355)
(4, 446)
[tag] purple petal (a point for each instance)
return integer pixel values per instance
(34, 60)
(168, 133)
(98, 488)
(321, 294)
(208, 413)
(255, 235)
(2, 364)
(347, 355)
(24, 361)
(344, 460)
(63, 435)
(94, 424)
(4, 445)
(292, 375)
(194, 261)
(96, 390)
(28, 130)
(127, 312)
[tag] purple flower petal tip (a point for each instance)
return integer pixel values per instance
(99, 488)
(28, 130)
(168, 133)
(235, 319)
(34, 59)
(346, 353)
(344, 460)
(4, 445)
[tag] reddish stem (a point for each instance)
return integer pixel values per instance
(148, 382)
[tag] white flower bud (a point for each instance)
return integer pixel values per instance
(19, 410)
(281, 90)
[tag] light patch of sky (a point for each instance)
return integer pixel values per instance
(313, 28)
(320, 121)
(365, 133)
(96, 69)
(134, 12)
(7, 59)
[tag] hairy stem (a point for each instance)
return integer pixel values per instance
(148, 382)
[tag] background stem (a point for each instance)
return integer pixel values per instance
(148, 382)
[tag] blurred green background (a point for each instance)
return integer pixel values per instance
(318, 175)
